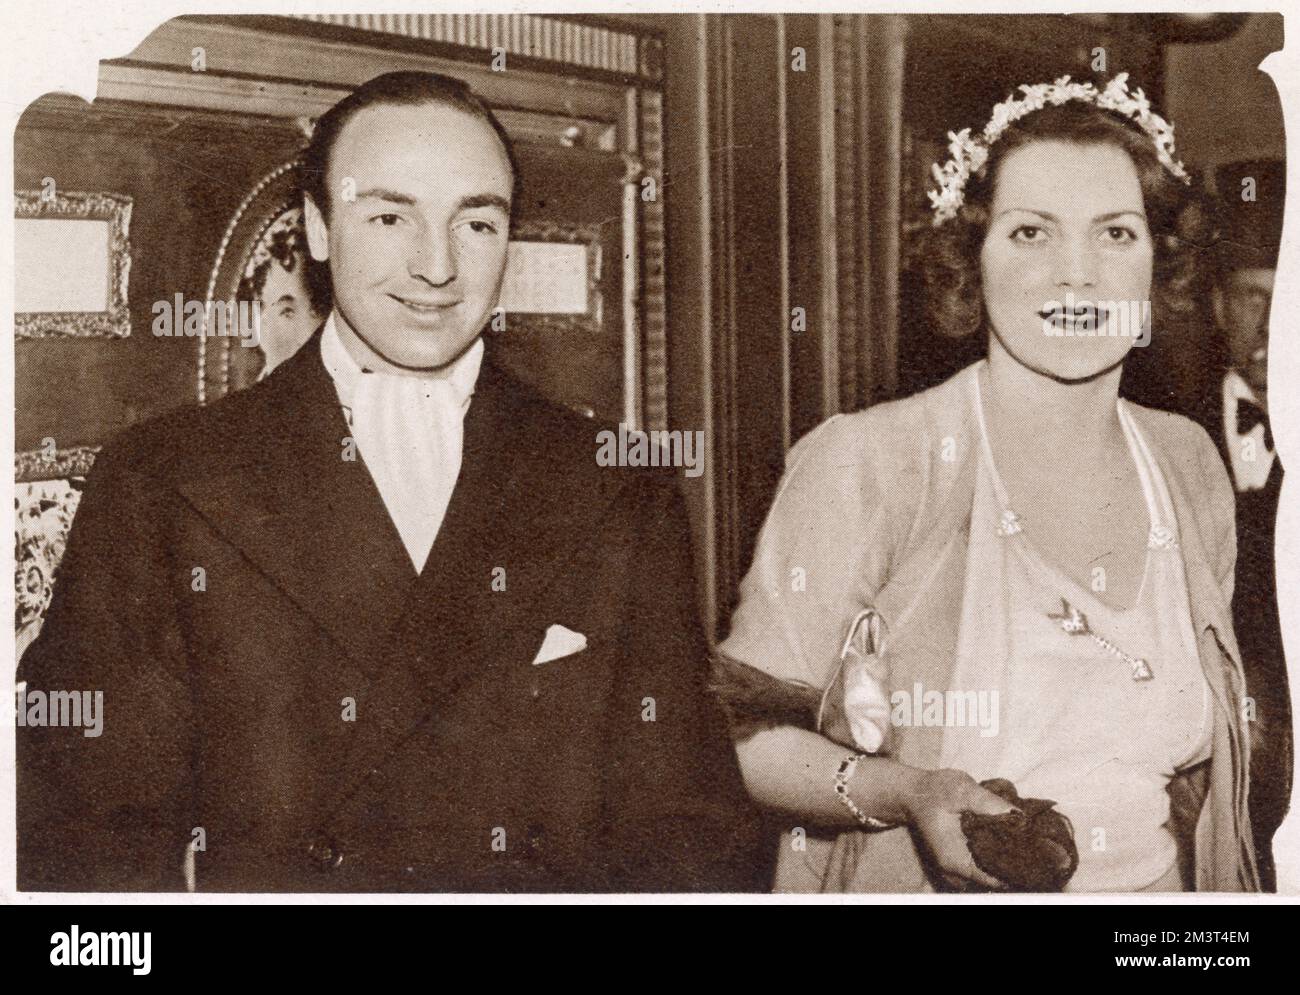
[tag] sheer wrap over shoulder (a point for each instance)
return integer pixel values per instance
(863, 556)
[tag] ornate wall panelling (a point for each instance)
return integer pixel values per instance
(747, 250)
(803, 115)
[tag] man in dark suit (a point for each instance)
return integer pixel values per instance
(381, 622)
(1235, 413)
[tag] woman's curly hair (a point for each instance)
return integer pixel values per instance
(947, 258)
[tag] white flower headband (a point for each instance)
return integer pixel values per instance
(970, 154)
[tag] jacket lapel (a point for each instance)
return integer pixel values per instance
(512, 518)
(306, 517)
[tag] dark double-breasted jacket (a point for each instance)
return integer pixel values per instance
(285, 695)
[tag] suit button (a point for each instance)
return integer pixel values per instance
(324, 852)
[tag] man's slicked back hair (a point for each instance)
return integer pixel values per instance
(407, 88)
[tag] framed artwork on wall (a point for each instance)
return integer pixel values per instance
(72, 260)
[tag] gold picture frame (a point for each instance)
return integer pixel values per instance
(114, 321)
(543, 233)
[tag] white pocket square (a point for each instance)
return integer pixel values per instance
(560, 642)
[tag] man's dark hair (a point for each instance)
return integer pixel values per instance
(409, 88)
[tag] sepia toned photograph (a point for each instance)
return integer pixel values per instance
(756, 455)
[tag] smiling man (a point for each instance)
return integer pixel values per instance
(381, 622)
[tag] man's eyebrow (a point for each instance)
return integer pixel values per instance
(484, 200)
(284, 297)
(379, 193)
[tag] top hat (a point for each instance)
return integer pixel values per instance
(1251, 196)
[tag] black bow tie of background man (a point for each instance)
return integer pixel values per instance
(1250, 414)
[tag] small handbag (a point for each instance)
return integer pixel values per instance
(854, 708)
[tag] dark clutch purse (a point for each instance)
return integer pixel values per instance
(1030, 850)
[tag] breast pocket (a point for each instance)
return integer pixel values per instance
(574, 679)
(559, 729)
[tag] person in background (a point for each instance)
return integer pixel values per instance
(291, 289)
(1234, 411)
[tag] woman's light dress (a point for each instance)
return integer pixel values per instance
(1097, 706)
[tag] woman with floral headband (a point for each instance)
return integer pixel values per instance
(1015, 575)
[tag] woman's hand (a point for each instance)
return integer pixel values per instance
(934, 811)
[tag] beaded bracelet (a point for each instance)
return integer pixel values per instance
(847, 766)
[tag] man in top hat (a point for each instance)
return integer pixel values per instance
(1235, 412)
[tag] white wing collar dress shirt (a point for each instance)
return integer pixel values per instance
(409, 430)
